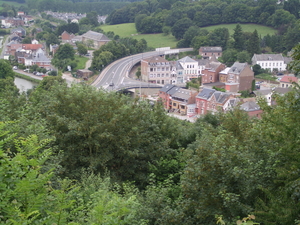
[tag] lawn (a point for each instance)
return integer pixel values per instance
(81, 61)
(159, 40)
(153, 40)
(261, 30)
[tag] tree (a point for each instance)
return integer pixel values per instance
(93, 18)
(219, 37)
(6, 70)
(26, 40)
(51, 38)
(295, 64)
(238, 38)
(253, 44)
(229, 56)
(138, 73)
(243, 57)
(191, 32)
(180, 27)
(63, 56)
(82, 49)
(199, 41)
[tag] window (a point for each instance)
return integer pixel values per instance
(269, 64)
(262, 64)
(174, 104)
(162, 75)
(158, 75)
(167, 75)
(162, 82)
(167, 68)
(151, 69)
(163, 69)
(158, 69)
(151, 75)
(158, 81)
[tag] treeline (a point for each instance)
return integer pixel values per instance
(77, 155)
(101, 7)
(177, 17)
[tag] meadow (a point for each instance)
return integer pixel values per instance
(159, 40)
(16, 4)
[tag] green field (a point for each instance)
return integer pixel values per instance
(262, 30)
(159, 40)
(153, 40)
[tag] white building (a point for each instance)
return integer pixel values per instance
(190, 67)
(270, 61)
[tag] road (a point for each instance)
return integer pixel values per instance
(115, 76)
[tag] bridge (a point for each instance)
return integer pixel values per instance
(115, 77)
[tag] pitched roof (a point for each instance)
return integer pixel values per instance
(182, 94)
(249, 106)
(186, 60)
(202, 62)
(220, 97)
(167, 87)
(289, 79)
(211, 49)
(205, 93)
(269, 57)
(237, 68)
(92, 35)
(156, 59)
(31, 46)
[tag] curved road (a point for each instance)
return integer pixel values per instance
(115, 75)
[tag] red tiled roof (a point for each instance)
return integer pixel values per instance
(289, 79)
(31, 46)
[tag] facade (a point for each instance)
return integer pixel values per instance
(201, 65)
(156, 70)
(190, 67)
(97, 38)
(202, 100)
(165, 94)
(208, 52)
(287, 81)
(67, 37)
(270, 61)
(182, 100)
(211, 71)
(176, 73)
(238, 78)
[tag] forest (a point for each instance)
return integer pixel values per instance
(78, 155)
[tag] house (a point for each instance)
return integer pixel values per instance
(212, 70)
(208, 52)
(98, 39)
(39, 58)
(202, 100)
(84, 73)
(20, 31)
(252, 109)
(12, 22)
(156, 70)
(67, 37)
(176, 73)
(217, 101)
(238, 78)
(165, 94)
(270, 61)
(190, 67)
(287, 81)
(201, 65)
(53, 48)
(265, 94)
(183, 102)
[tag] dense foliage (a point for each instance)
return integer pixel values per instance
(130, 163)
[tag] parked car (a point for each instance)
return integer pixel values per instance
(26, 70)
(15, 67)
(34, 72)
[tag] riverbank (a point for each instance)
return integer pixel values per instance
(29, 78)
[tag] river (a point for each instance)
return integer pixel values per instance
(23, 84)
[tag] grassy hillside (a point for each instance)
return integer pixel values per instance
(153, 40)
(262, 30)
(159, 40)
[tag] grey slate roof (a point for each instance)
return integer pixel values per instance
(237, 68)
(167, 87)
(270, 57)
(173, 90)
(211, 49)
(182, 94)
(206, 93)
(92, 35)
(220, 97)
(186, 59)
(202, 62)
(249, 106)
